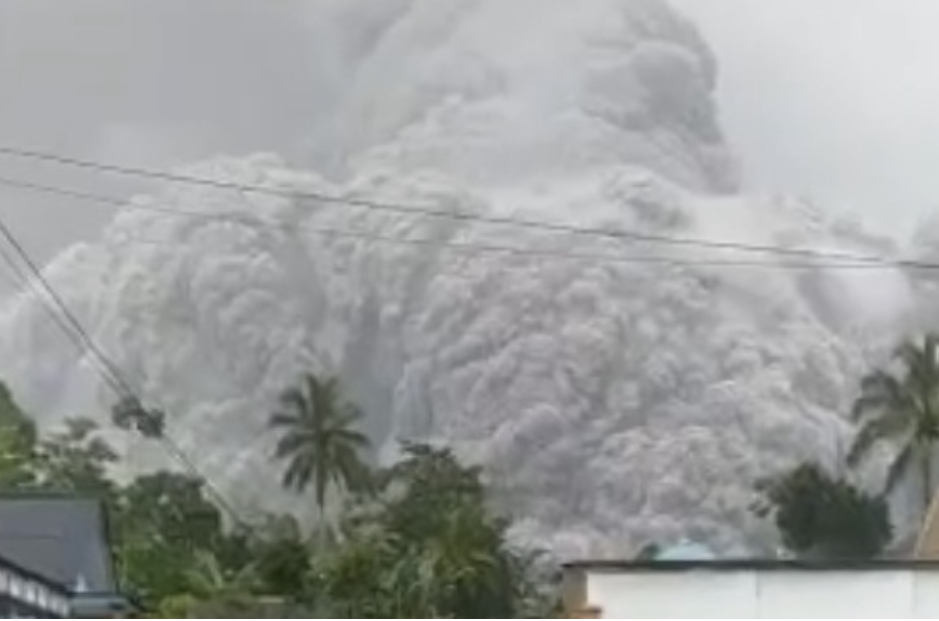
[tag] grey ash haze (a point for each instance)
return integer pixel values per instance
(830, 99)
(612, 403)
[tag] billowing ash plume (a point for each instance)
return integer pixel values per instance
(614, 402)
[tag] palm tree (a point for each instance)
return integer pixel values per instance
(903, 408)
(319, 440)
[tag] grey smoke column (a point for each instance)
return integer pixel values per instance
(613, 403)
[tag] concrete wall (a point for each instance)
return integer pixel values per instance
(777, 593)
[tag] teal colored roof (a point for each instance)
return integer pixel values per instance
(686, 551)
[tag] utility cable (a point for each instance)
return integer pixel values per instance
(76, 333)
(858, 262)
(401, 208)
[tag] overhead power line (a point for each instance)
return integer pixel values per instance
(22, 279)
(73, 329)
(122, 387)
(832, 259)
(414, 209)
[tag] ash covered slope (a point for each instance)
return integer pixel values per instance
(613, 402)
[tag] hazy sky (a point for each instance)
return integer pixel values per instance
(834, 99)
(151, 82)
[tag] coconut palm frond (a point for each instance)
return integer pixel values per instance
(319, 440)
(886, 428)
(902, 408)
(284, 419)
(899, 467)
(868, 405)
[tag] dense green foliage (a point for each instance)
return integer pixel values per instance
(417, 540)
(898, 408)
(425, 545)
(821, 517)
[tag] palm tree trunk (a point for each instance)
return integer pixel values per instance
(321, 528)
(927, 467)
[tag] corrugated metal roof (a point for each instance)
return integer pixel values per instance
(60, 537)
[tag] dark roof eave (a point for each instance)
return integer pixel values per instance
(104, 602)
(731, 565)
(35, 576)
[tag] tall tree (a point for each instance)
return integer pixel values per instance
(902, 407)
(426, 546)
(76, 459)
(319, 440)
(280, 555)
(818, 516)
(18, 438)
(162, 521)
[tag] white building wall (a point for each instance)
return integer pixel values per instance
(695, 595)
(777, 593)
(926, 595)
(836, 595)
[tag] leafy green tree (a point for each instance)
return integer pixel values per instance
(319, 439)
(244, 606)
(76, 459)
(18, 437)
(820, 517)
(163, 522)
(175, 552)
(358, 580)
(281, 557)
(418, 541)
(208, 577)
(902, 408)
(426, 487)
(171, 545)
(218, 590)
(176, 507)
(426, 546)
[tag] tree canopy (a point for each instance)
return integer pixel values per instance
(821, 517)
(319, 440)
(426, 545)
(418, 541)
(901, 408)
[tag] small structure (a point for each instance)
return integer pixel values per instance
(65, 540)
(26, 595)
(101, 606)
(687, 581)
